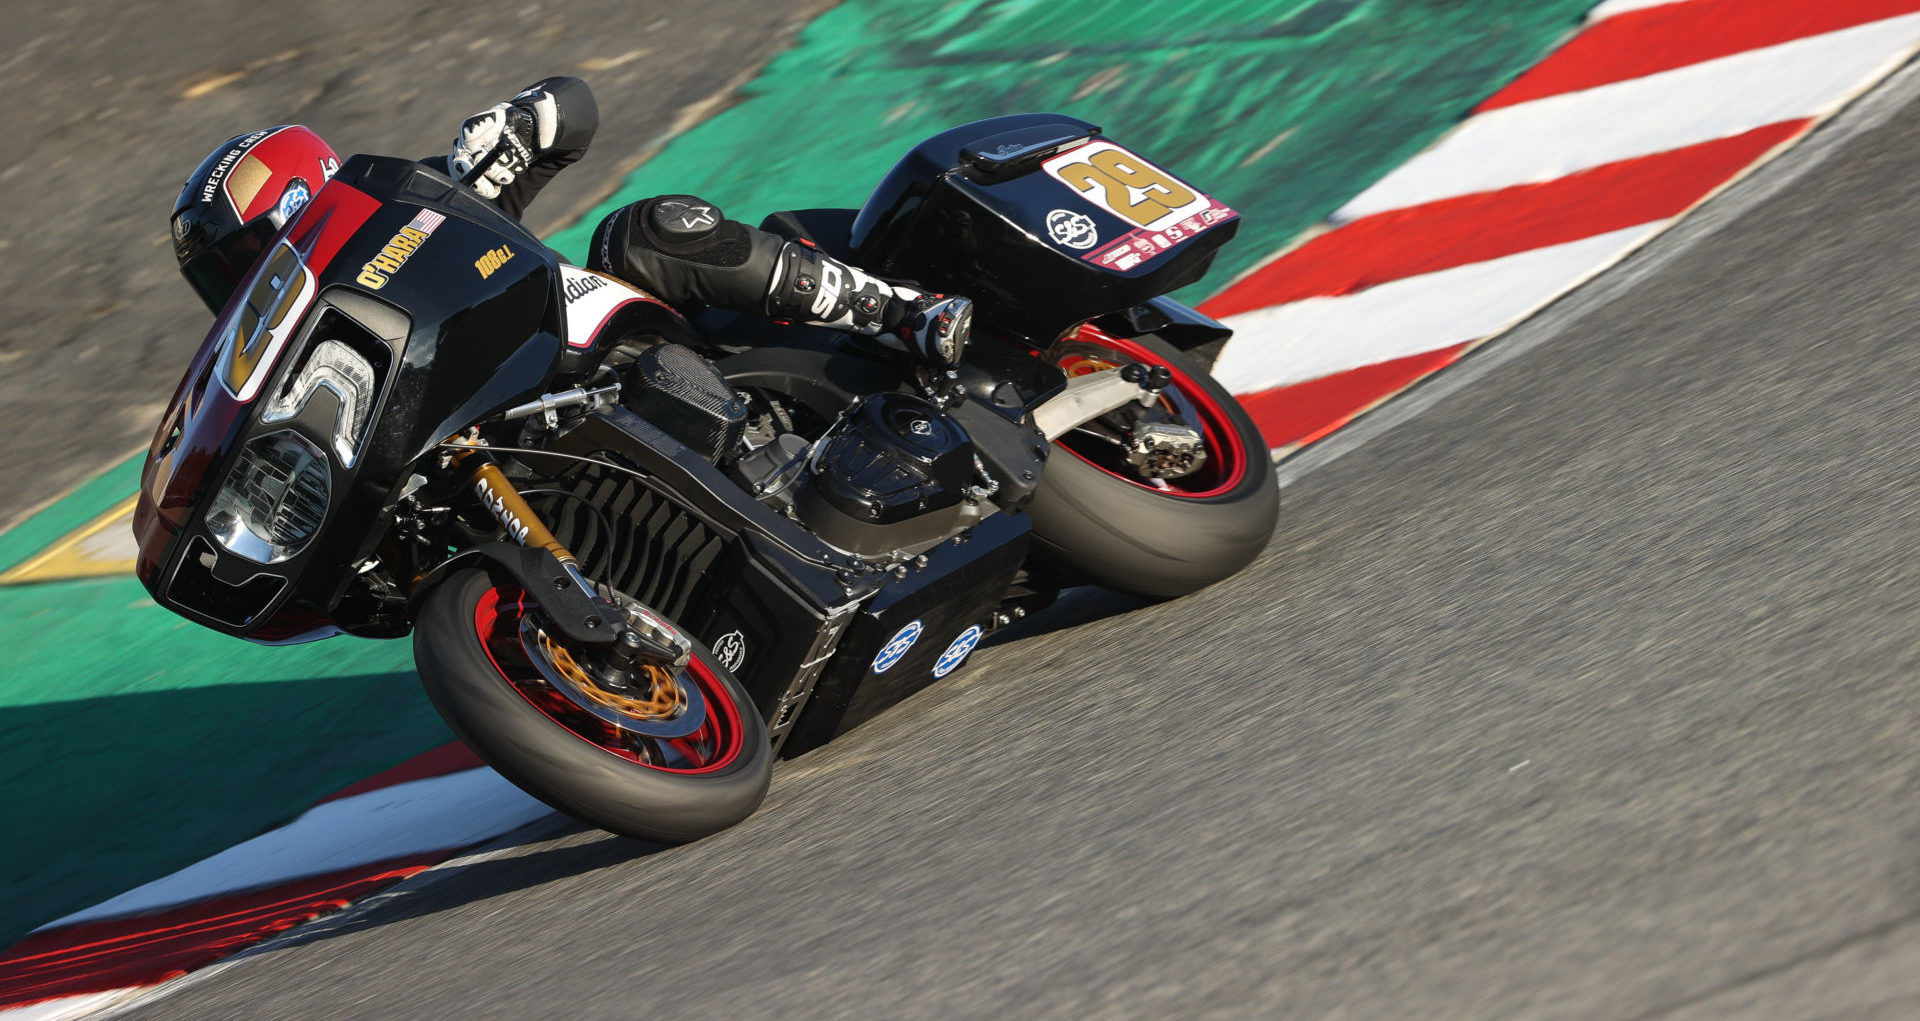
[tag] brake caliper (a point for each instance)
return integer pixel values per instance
(1166, 450)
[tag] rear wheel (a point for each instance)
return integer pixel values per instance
(683, 755)
(1100, 519)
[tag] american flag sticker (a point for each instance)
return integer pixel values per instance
(427, 221)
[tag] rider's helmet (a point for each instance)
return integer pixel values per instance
(239, 198)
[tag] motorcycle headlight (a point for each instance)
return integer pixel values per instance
(340, 369)
(273, 500)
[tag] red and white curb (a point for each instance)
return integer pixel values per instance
(1651, 108)
(366, 837)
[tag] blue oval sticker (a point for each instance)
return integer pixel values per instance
(956, 653)
(896, 648)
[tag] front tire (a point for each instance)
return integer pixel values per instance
(1096, 523)
(468, 652)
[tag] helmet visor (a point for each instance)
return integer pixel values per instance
(219, 268)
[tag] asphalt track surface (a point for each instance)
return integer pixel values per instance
(108, 106)
(1588, 691)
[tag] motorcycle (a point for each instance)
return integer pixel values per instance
(642, 554)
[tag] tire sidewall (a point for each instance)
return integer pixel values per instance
(560, 768)
(1099, 528)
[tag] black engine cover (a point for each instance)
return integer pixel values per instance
(891, 476)
(679, 391)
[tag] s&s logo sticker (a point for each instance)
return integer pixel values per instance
(896, 648)
(957, 653)
(731, 650)
(1075, 230)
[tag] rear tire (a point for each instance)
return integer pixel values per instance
(575, 770)
(1095, 525)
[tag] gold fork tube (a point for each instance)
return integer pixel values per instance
(491, 485)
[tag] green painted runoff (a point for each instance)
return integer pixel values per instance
(1283, 110)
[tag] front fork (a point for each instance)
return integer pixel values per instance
(635, 633)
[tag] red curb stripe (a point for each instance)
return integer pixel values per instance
(1639, 43)
(452, 757)
(1304, 412)
(1453, 232)
(148, 949)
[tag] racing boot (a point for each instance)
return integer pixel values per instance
(682, 249)
(816, 288)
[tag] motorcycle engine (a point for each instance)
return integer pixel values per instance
(893, 475)
(681, 392)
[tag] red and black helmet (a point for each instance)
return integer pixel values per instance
(239, 198)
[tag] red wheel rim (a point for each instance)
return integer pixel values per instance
(1227, 458)
(717, 742)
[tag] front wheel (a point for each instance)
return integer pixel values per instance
(686, 758)
(1100, 520)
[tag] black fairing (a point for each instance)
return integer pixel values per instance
(968, 210)
(448, 343)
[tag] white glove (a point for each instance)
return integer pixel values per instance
(496, 146)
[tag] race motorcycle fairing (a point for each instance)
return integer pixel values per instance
(641, 553)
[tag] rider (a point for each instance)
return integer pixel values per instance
(679, 248)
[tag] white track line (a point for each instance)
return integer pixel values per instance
(1551, 137)
(1317, 337)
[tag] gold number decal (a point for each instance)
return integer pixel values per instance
(1119, 175)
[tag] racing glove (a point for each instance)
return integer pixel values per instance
(507, 153)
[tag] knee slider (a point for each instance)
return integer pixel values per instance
(684, 249)
(688, 227)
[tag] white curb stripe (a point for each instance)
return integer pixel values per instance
(67, 1008)
(1551, 137)
(1320, 336)
(441, 813)
(1612, 7)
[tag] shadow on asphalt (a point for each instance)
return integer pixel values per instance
(554, 856)
(543, 857)
(1076, 606)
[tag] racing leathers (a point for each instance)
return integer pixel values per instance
(682, 249)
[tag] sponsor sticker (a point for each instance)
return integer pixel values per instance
(293, 199)
(1141, 245)
(592, 301)
(1075, 230)
(395, 253)
(580, 286)
(957, 652)
(896, 648)
(491, 262)
(731, 650)
(227, 159)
